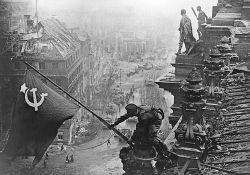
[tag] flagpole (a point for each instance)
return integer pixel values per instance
(36, 18)
(101, 119)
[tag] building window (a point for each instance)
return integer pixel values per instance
(17, 65)
(66, 64)
(45, 48)
(60, 136)
(71, 59)
(41, 65)
(55, 65)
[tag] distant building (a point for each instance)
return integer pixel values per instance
(133, 44)
(11, 14)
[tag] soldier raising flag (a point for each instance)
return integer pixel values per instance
(38, 113)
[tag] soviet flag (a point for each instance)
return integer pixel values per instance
(38, 113)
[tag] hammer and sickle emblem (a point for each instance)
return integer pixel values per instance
(35, 104)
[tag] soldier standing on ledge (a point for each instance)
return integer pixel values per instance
(186, 33)
(202, 18)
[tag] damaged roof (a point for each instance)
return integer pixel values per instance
(55, 32)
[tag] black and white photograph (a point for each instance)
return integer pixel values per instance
(124, 87)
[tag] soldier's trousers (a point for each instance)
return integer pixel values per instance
(153, 138)
(200, 31)
(187, 40)
(181, 41)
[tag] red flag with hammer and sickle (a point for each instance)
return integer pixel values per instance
(39, 112)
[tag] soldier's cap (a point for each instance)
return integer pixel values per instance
(198, 7)
(131, 107)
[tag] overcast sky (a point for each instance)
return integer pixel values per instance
(168, 7)
(168, 10)
(155, 6)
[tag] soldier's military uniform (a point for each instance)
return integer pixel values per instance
(202, 17)
(186, 32)
(149, 122)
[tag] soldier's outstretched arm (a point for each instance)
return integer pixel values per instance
(121, 119)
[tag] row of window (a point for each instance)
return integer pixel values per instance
(55, 65)
(75, 73)
(72, 59)
(58, 81)
(60, 136)
(41, 65)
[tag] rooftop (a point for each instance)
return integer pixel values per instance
(52, 38)
(59, 36)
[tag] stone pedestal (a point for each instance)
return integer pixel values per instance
(173, 86)
(242, 38)
(213, 35)
(226, 19)
(184, 64)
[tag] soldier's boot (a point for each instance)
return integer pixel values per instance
(199, 34)
(188, 46)
(179, 50)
